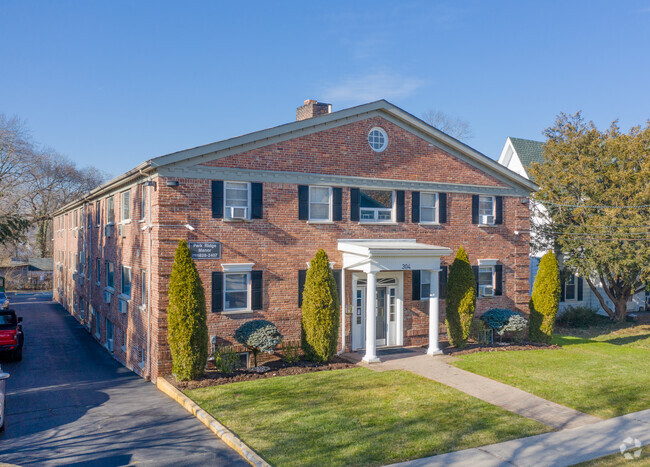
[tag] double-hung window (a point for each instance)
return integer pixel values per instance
(125, 211)
(486, 210)
(110, 210)
(237, 200)
(486, 281)
(143, 287)
(99, 271)
(98, 212)
(109, 334)
(126, 281)
(428, 208)
(376, 205)
(236, 291)
(570, 287)
(143, 201)
(320, 203)
(110, 275)
(425, 284)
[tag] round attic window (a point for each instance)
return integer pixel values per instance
(378, 139)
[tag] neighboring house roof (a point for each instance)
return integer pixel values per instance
(529, 151)
(34, 264)
(311, 125)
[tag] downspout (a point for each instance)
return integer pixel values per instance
(149, 283)
(342, 311)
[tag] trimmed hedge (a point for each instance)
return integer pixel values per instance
(320, 310)
(545, 300)
(580, 317)
(461, 300)
(258, 335)
(187, 331)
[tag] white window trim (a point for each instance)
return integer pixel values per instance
(123, 219)
(122, 294)
(393, 211)
(494, 208)
(109, 287)
(436, 221)
(225, 202)
(490, 264)
(575, 289)
(383, 148)
(424, 298)
(330, 205)
(248, 308)
(143, 202)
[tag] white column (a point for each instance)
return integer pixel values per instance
(434, 316)
(371, 305)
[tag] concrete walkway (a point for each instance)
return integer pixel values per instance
(557, 449)
(508, 397)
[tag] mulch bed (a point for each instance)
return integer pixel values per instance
(474, 348)
(277, 368)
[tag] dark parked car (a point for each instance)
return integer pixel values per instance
(11, 334)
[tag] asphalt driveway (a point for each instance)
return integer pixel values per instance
(69, 402)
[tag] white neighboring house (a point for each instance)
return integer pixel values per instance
(518, 154)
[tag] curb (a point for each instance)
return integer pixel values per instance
(213, 425)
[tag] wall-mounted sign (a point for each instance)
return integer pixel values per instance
(205, 250)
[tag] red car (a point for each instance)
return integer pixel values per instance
(11, 334)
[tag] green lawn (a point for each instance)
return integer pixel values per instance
(606, 374)
(616, 460)
(357, 417)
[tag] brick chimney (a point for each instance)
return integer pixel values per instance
(312, 108)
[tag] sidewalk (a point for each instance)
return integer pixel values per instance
(557, 449)
(508, 397)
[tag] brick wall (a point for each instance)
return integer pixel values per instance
(279, 244)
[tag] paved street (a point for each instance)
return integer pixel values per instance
(69, 402)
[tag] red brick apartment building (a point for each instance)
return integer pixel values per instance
(389, 198)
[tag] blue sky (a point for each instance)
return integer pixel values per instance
(111, 84)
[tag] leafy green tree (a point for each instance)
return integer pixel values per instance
(12, 229)
(461, 299)
(320, 310)
(187, 331)
(258, 336)
(545, 299)
(592, 206)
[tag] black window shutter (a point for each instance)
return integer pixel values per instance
(217, 199)
(474, 209)
(399, 200)
(498, 279)
(498, 200)
(256, 290)
(337, 279)
(303, 202)
(442, 208)
(442, 282)
(354, 204)
(579, 279)
(416, 284)
(415, 207)
(562, 282)
(337, 204)
(302, 275)
(475, 271)
(257, 197)
(217, 291)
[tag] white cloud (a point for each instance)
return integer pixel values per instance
(373, 86)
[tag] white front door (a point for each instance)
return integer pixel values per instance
(387, 313)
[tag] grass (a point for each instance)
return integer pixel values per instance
(357, 417)
(616, 460)
(603, 371)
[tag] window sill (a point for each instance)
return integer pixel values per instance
(431, 224)
(124, 297)
(487, 296)
(110, 290)
(110, 223)
(237, 220)
(143, 308)
(125, 221)
(236, 312)
(141, 365)
(142, 220)
(487, 226)
(320, 222)
(378, 223)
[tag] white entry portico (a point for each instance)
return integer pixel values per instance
(384, 261)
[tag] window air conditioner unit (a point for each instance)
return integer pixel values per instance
(486, 291)
(237, 213)
(124, 306)
(107, 297)
(108, 230)
(487, 219)
(121, 231)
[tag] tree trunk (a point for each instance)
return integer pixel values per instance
(620, 309)
(41, 238)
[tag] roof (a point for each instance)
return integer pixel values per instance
(295, 129)
(393, 247)
(39, 264)
(528, 150)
